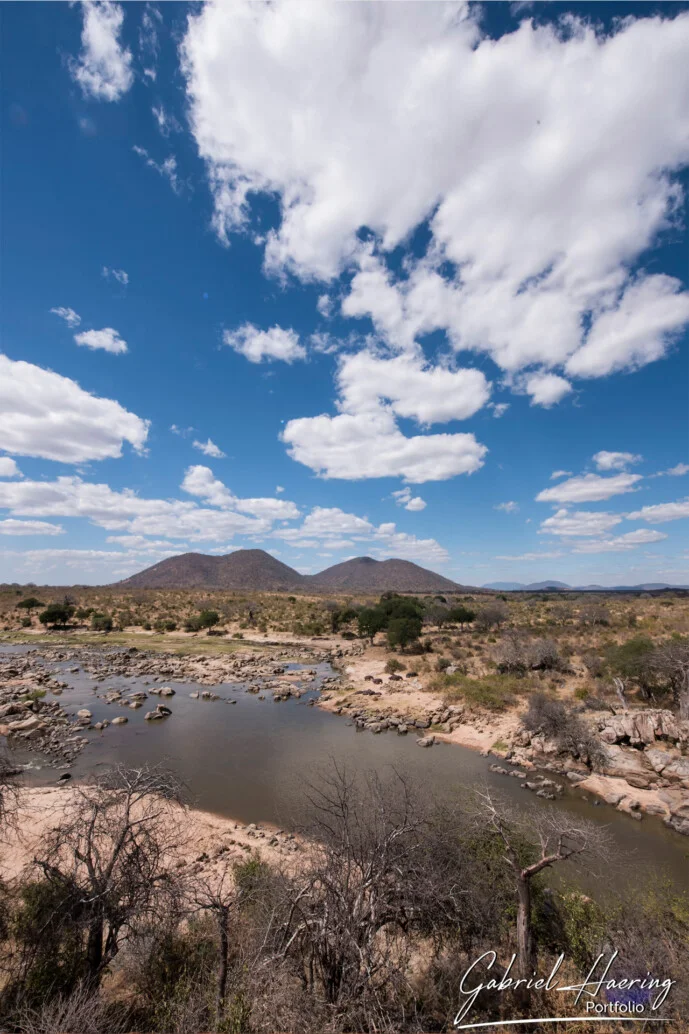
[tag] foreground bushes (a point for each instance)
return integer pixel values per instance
(371, 929)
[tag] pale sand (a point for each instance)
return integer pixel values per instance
(220, 839)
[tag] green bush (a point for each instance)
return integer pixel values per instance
(493, 692)
(101, 623)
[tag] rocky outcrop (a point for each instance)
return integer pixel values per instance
(642, 767)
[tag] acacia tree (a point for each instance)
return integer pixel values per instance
(533, 842)
(110, 860)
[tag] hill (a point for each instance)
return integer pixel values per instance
(522, 587)
(544, 586)
(251, 569)
(254, 569)
(364, 574)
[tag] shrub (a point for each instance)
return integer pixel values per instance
(101, 623)
(394, 665)
(493, 692)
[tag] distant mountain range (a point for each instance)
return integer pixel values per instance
(254, 569)
(554, 586)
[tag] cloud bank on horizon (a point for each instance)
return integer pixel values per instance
(388, 225)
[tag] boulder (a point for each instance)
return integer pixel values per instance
(84, 713)
(153, 716)
(25, 725)
(426, 741)
(629, 764)
(167, 691)
(120, 720)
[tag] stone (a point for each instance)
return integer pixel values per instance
(628, 763)
(402, 729)
(167, 691)
(84, 713)
(426, 741)
(153, 716)
(120, 720)
(24, 725)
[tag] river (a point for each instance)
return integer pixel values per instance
(254, 760)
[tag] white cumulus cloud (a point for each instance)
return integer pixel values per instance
(588, 488)
(8, 468)
(411, 502)
(661, 512)
(370, 445)
(106, 339)
(44, 414)
(615, 460)
(10, 526)
(209, 448)
(257, 345)
(579, 522)
(542, 186)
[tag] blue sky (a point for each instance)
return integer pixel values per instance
(345, 279)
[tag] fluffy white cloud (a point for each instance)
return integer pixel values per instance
(257, 345)
(10, 526)
(579, 522)
(560, 474)
(127, 512)
(199, 481)
(370, 445)
(334, 529)
(209, 448)
(106, 339)
(8, 468)
(615, 460)
(588, 488)
(120, 275)
(413, 389)
(678, 471)
(167, 169)
(661, 512)
(103, 69)
(546, 389)
(509, 507)
(71, 318)
(404, 498)
(536, 217)
(637, 328)
(631, 540)
(47, 415)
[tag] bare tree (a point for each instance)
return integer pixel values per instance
(110, 859)
(671, 661)
(350, 910)
(9, 793)
(533, 842)
(492, 615)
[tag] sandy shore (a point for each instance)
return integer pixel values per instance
(210, 840)
(479, 732)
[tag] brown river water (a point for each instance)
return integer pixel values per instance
(255, 760)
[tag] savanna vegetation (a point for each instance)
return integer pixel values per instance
(108, 929)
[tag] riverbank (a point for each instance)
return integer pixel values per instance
(648, 778)
(210, 841)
